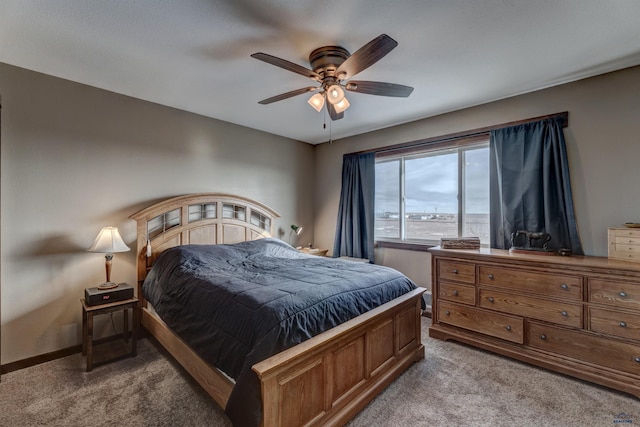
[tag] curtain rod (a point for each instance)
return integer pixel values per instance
(464, 134)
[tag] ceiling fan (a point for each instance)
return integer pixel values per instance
(332, 66)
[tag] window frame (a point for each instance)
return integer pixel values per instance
(459, 144)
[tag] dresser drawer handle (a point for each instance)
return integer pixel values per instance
(491, 276)
(564, 286)
(490, 299)
(623, 324)
(455, 293)
(636, 359)
(508, 327)
(447, 312)
(454, 271)
(564, 313)
(622, 294)
(543, 337)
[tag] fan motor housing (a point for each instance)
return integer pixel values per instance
(325, 60)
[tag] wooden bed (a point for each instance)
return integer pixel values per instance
(325, 380)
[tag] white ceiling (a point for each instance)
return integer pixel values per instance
(194, 54)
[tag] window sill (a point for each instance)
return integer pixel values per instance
(404, 245)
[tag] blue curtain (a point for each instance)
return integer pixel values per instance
(529, 185)
(354, 231)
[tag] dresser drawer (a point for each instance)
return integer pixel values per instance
(510, 328)
(558, 285)
(562, 313)
(465, 294)
(584, 346)
(625, 325)
(619, 294)
(624, 233)
(458, 271)
(627, 246)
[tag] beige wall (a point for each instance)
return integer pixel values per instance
(76, 158)
(603, 144)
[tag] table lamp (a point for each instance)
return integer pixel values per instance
(294, 229)
(108, 241)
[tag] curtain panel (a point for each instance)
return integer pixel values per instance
(530, 187)
(354, 230)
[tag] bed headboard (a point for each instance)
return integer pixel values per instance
(203, 218)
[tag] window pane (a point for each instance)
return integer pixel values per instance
(431, 190)
(476, 200)
(387, 202)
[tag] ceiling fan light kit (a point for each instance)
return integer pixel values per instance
(335, 94)
(342, 105)
(317, 101)
(331, 67)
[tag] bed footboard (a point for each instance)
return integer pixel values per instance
(329, 378)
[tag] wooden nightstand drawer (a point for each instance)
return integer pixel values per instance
(562, 313)
(624, 325)
(464, 294)
(558, 285)
(510, 328)
(619, 294)
(584, 346)
(458, 271)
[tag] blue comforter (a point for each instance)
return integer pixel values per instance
(236, 305)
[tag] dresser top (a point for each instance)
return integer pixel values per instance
(553, 260)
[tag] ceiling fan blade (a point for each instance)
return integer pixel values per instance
(379, 88)
(287, 65)
(366, 56)
(332, 112)
(287, 95)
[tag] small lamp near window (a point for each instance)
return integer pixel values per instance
(294, 229)
(107, 242)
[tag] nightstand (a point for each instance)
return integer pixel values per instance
(89, 311)
(314, 251)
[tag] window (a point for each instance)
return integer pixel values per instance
(423, 195)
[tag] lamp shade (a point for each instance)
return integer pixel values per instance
(108, 241)
(296, 229)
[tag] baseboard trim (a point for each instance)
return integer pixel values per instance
(48, 357)
(42, 358)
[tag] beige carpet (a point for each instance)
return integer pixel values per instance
(454, 386)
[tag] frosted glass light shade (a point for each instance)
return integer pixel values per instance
(341, 106)
(335, 94)
(317, 101)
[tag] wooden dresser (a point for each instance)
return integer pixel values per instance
(575, 315)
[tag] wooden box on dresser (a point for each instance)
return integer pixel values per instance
(576, 315)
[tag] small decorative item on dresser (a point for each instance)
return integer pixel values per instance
(460, 243)
(624, 243)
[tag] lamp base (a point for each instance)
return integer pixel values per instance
(108, 285)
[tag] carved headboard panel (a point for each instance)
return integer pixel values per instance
(203, 218)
